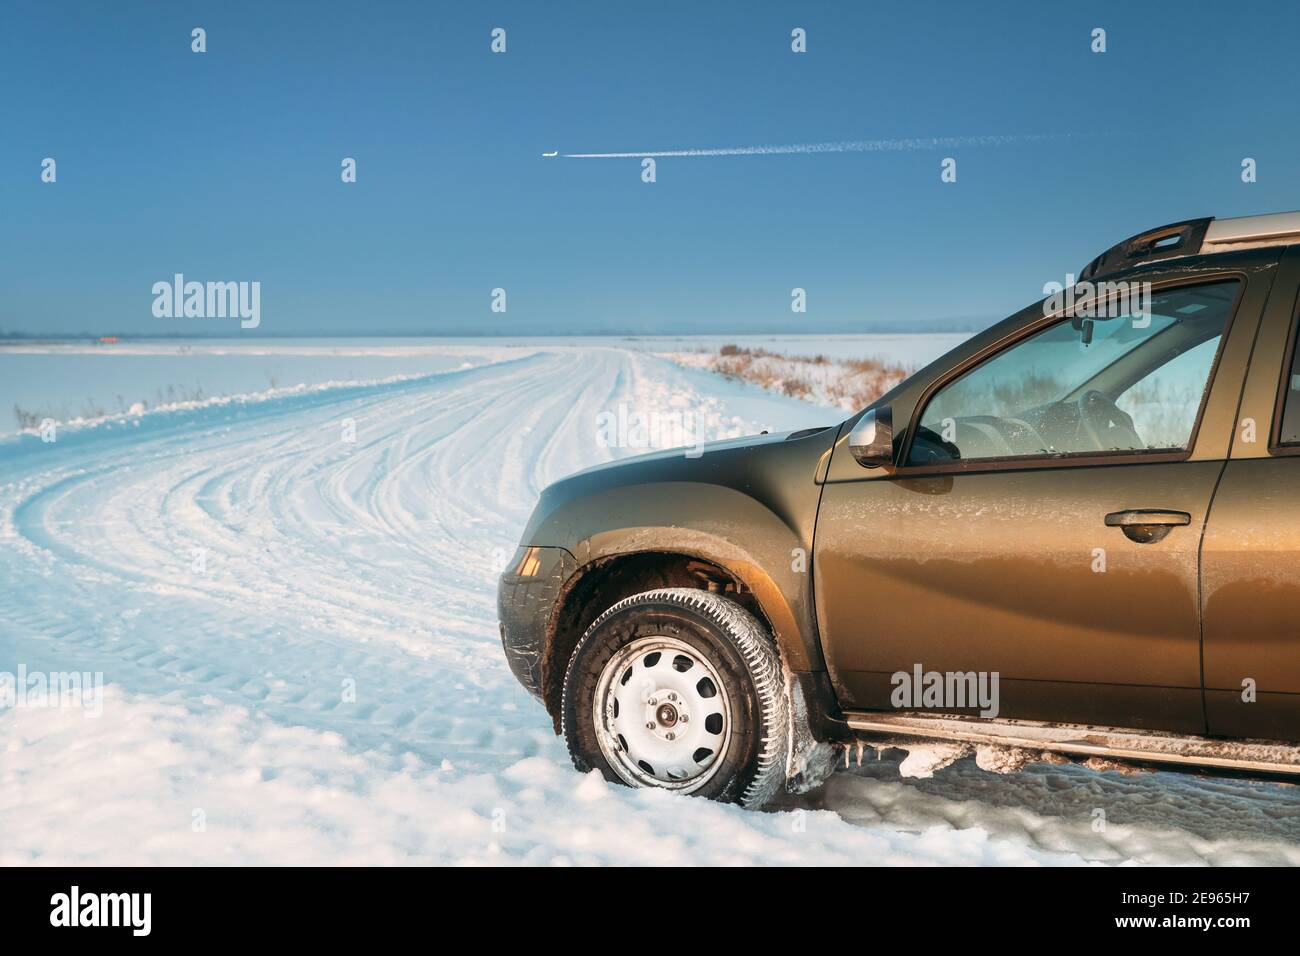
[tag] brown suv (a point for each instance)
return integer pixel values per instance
(1076, 534)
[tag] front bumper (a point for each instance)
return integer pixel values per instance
(526, 595)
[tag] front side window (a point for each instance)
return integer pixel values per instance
(1085, 386)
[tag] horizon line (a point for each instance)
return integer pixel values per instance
(970, 326)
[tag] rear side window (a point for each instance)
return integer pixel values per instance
(1289, 434)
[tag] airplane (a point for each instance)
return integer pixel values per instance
(556, 153)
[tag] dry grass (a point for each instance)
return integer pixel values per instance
(849, 384)
(91, 410)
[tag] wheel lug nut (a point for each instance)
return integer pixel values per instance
(672, 696)
(684, 718)
(670, 735)
(650, 725)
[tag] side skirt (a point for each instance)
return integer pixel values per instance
(1140, 746)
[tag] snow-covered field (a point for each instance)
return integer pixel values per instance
(299, 642)
(72, 382)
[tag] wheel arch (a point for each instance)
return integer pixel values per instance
(603, 581)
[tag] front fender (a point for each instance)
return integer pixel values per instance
(749, 508)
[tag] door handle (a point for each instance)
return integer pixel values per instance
(1147, 526)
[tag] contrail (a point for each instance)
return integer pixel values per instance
(851, 146)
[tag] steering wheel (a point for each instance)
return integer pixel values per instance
(1107, 425)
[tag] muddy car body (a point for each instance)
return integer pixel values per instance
(1095, 502)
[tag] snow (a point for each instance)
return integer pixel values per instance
(1166, 819)
(130, 787)
(298, 639)
(78, 383)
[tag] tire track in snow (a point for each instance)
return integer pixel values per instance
(323, 561)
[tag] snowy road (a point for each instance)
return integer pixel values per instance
(299, 635)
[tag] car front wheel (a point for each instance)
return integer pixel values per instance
(682, 690)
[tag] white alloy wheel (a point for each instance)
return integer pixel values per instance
(680, 689)
(662, 714)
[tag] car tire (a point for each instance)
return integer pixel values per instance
(683, 690)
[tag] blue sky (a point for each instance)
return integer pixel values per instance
(225, 165)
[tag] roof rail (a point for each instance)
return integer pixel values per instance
(1277, 229)
(1196, 236)
(1176, 239)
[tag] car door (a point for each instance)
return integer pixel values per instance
(1251, 554)
(1058, 561)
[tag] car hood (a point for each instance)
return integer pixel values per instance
(628, 466)
(747, 465)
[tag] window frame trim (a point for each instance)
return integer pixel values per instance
(1067, 460)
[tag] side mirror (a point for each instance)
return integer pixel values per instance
(872, 440)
